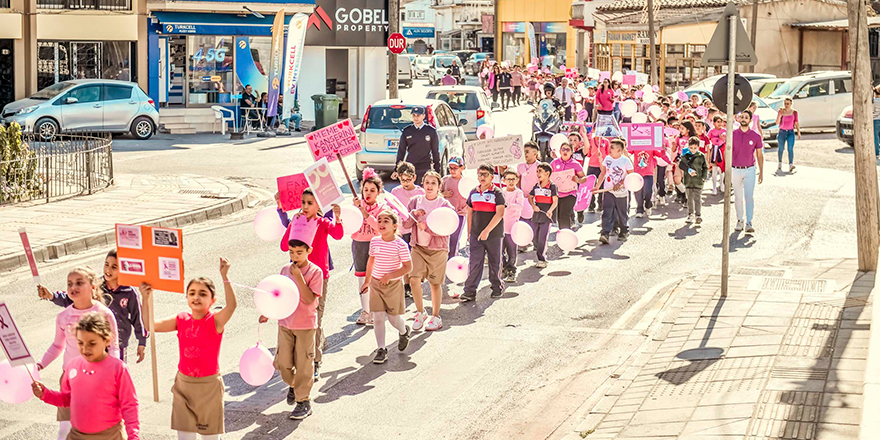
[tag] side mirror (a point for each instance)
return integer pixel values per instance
(70, 100)
(801, 95)
(462, 122)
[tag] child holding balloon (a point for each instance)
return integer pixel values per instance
(515, 199)
(95, 387)
(197, 405)
(450, 191)
(297, 334)
(430, 252)
(406, 174)
(370, 207)
(543, 198)
(615, 167)
(389, 262)
(82, 289)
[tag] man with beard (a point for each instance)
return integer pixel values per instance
(748, 147)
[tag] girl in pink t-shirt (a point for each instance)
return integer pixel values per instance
(96, 387)
(82, 289)
(389, 262)
(406, 174)
(450, 191)
(370, 206)
(717, 138)
(197, 405)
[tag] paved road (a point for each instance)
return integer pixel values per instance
(515, 367)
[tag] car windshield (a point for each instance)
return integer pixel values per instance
(480, 56)
(444, 61)
(786, 88)
(459, 101)
(52, 91)
(760, 102)
(389, 118)
(423, 61)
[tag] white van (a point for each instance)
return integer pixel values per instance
(404, 71)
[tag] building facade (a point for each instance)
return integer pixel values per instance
(555, 42)
(459, 23)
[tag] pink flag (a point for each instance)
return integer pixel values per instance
(585, 190)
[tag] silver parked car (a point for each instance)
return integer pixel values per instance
(85, 105)
(468, 103)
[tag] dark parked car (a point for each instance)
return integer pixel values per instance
(463, 55)
(472, 65)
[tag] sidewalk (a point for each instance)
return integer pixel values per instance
(782, 357)
(79, 223)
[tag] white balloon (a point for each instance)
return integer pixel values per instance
(276, 297)
(267, 225)
(522, 233)
(633, 182)
(640, 118)
(457, 269)
(352, 219)
(647, 89)
(557, 140)
(466, 184)
(582, 89)
(649, 97)
(443, 221)
(255, 366)
(567, 240)
(618, 76)
(655, 110)
(628, 108)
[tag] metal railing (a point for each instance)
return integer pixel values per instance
(65, 166)
(103, 5)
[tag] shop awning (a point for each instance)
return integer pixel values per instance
(194, 23)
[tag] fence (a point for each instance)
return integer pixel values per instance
(66, 166)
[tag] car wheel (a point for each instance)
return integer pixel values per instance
(46, 129)
(142, 128)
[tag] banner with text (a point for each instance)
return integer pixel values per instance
(151, 255)
(507, 150)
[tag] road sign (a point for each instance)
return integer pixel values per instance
(396, 43)
(418, 32)
(717, 52)
(742, 93)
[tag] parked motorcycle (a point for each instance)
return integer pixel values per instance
(546, 122)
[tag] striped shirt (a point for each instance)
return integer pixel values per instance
(543, 199)
(483, 204)
(388, 256)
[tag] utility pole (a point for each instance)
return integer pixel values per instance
(754, 30)
(863, 137)
(728, 153)
(651, 45)
(393, 26)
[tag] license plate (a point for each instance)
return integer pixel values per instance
(392, 145)
(847, 131)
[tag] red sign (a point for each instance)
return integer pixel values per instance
(396, 43)
(290, 190)
(337, 138)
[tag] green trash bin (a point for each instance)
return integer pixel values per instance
(326, 110)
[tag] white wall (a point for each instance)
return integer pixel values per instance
(313, 79)
(373, 68)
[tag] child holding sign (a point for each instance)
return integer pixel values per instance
(96, 388)
(123, 301)
(389, 262)
(197, 407)
(82, 289)
(370, 207)
(429, 252)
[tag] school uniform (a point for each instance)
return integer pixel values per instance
(483, 206)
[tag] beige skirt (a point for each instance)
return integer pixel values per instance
(112, 433)
(62, 414)
(429, 264)
(197, 405)
(387, 298)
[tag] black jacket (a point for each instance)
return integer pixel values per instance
(420, 147)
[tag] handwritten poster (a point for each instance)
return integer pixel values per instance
(320, 179)
(642, 137)
(585, 192)
(11, 339)
(151, 255)
(563, 181)
(507, 150)
(290, 189)
(339, 137)
(29, 253)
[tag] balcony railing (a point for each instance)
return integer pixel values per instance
(102, 5)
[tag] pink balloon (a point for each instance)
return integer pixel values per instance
(487, 130)
(15, 384)
(639, 94)
(443, 221)
(267, 225)
(682, 96)
(255, 366)
(466, 184)
(656, 88)
(457, 269)
(522, 233)
(276, 297)
(669, 131)
(633, 182)
(582, 116)
(567, 240)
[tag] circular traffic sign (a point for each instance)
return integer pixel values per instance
(742, 93)
(396, 43)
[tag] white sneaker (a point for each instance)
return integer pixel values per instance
(648, 212)
(714, 191)
(435, 323)
(419, 320)
(541, 264)
(639, 215)
(690, 218)
(739, 225)
(779, 168)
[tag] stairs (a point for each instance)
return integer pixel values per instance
(187, 120)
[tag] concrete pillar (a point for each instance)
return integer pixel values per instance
(143, 64)
(28, 46)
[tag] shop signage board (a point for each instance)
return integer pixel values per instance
(418, 32)
(352, 23)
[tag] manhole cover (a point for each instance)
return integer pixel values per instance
(758, 272)
(798, 373)
(704, 353)
(790, 285)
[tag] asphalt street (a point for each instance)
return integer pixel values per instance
(515, 367)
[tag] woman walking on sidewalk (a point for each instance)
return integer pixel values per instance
(787, 120)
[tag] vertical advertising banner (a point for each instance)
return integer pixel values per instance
(293, 54)
(276, 63)
(533, 46)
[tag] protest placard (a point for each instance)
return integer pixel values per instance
(642, 137)
(12, 340)
(320, 179)
(507, 150)
(629, 80)
(563, 181)
(641, 78)
(151, 255)
(336, 138)
(29, 253)
(585, 192)
(290, 190)
(606, 126)
(603, 75)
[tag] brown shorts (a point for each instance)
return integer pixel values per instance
(62, 414)
(429, 264)
(388, 298)
(197, 405)
(112, 433)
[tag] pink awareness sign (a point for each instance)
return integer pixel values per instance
(29, 253)
(336, 138)
(585, 191)
(642, 137)
(629, 80)
(290, 189)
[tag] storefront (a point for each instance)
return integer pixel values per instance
(554, 39)
(66, 60)
(10, 32)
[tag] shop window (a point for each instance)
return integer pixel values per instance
(209, 75)
(65, 60)
(103, 5)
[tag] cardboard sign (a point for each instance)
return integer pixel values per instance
(585, 192)
(320, 178)
(604, 75)
(151, 255)
(337, 138)
(563, 181)
(641, 78)
(629, 80)
(642, 137)
(606, 126)
(592, 73)
(12, 340)
(29, 253)
(507, 150)
(290, 189)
